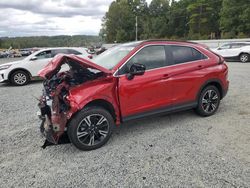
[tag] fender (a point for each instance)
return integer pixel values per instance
(212, 81)
(17, 69)
(79, 97)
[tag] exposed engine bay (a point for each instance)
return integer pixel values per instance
(53, 103)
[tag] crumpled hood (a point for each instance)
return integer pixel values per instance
(54, 65)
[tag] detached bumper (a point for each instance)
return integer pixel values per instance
(52, 126)
(47, 131)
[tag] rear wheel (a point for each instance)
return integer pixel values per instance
(91, 128)
(244, 58)
(209, 101)
(19, 78)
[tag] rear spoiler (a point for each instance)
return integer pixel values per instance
(221, 59)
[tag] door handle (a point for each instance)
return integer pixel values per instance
(165, 76)
(200, 66)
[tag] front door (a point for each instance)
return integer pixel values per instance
(40, 61)
(147, 92)
(224, 50)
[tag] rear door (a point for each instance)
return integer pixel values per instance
(235, 49)
(147, 92)
(186, 73)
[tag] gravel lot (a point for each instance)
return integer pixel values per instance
(177, 150)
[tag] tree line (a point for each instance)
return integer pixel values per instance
(183, 19)
(49, 41)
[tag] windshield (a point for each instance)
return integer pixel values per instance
(113, 56)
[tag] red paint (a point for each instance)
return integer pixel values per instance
(171, 85)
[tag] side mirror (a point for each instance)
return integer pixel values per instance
(33, 58)
(136, 69)
(218, 48)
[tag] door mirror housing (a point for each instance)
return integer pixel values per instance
(33, 58)
(136, 69)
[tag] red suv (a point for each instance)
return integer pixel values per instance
(86, 99)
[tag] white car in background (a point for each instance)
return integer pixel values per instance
(235, 51)
(21, 72)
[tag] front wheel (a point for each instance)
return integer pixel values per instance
(91, 128)
(244, 58)
(209, 101)
(19, 78)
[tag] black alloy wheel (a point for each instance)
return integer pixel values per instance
(209, 101)
(91, 128)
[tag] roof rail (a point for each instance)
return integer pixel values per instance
(166, 40)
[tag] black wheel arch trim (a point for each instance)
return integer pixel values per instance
(216, 83)
(103, 104)
(19, 69)
(244, 53)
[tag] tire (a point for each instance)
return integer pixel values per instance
(91, 128)
(244, 57)
(19, 78)
(209, 101)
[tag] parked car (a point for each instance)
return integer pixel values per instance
(16, 53)
(25, 52)
(21, 72)
(239, 51)
(3, 55)
(127, 82)
(100, 50)
(91, 50)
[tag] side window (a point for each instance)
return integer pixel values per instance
(183, 54)
(152, 57)
(246, 44)
(197, 55)
(44, 54)
(225, 46)
(236, 45)
(59, 51)
(71, 51)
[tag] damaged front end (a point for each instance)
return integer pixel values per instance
(53, 113)
(62, 74)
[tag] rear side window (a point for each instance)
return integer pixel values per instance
(197, 55)
(65, 51)
(59, 51)
(183, 54)
(71, 51)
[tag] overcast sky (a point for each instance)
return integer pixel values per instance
(51, 17)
